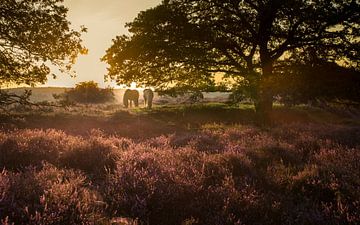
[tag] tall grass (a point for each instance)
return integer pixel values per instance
(291, 174)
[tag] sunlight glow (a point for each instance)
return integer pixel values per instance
(133, 85)
(104, 20)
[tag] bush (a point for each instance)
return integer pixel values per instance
(86, 92)
(48, 196)
(243, 91)
(171, 187)
(293, 174)
(316, 82)
(22, 148)
(196, 97)
(94, 156)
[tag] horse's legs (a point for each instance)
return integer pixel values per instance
(150, 103)
(136, 102)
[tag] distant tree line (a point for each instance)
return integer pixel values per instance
(317, 81)
(309, 82)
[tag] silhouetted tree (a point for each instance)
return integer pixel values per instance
(188, 41)
(86, 92)
(33, 35)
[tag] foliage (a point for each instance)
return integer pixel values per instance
(177, 90)
(242, 91)
(11, 102)
(193, 94)
(87, 92)
(47, 196)
(31, 147)
(196, 97)
(218, 87)
(186, 42)
(190, 94)
(314, 79)
(237, 96)
(9, 99)
(291, 174)
(34, 33)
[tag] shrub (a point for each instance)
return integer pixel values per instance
(170, 187)
(86, 92)
(94, 156)
(23, 148)
(204, 142)
(48, 196)
(315, 81)
(196, 97)
(334, 182)
(243, 91)
(290, 174)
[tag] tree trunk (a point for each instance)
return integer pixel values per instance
(264, 103)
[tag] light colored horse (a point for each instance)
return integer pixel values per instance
(148, 98)
(129, 97)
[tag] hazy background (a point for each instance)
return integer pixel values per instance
(104, 19)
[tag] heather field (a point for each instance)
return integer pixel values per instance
(208, 164)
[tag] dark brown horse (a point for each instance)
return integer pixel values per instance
(129, 97)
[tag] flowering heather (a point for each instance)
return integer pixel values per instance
(289, 174)
(48, 196)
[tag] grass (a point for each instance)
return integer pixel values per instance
(196, 164)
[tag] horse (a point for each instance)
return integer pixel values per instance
(129, 97)
(148, 98)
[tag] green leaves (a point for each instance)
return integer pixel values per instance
(33, 35)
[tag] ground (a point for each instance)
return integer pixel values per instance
(208, 163)
(163, 119)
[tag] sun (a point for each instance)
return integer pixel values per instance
(133, 85)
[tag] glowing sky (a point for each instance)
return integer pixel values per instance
(104, 19)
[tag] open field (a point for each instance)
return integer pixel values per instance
(177, 164)
(40, 94)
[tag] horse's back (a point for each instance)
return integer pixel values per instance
(148, 93)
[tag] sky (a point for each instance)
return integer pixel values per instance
(104, 19)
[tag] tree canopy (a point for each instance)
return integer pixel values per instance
(35, 34)
(186, 42)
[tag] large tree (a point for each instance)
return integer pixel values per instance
(182, 42)
(35, 34)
